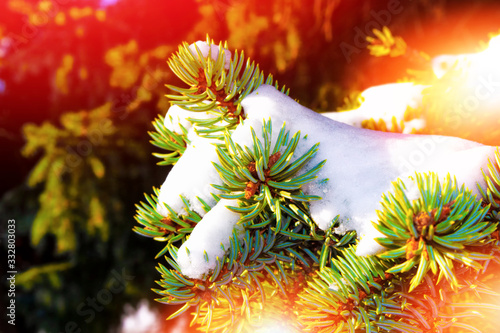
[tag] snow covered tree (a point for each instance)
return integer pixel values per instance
(276, 216)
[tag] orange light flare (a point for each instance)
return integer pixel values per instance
(475, 63)
(461, 71)
(446, 30)
(465, 97)
(479, 75)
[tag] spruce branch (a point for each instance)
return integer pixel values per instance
(171, 229)
(263, 270)
(217, 84)
(168, 140)
(436, 305)
(436, 232)
(359, 294)
(353, 294)
(440, 247)
(491, 193)
(262, 176)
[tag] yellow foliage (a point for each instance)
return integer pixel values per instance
(161, 52)
(39, 172)
(125, 69)
(385, 44)
(60, 18)
(66, 237)
(79, 32)
(44, 135)
(352, 101)
(239, 19)
(68, 61)
(143, 95)
(125, 76)
(79, 13)
(86, 122)
(163, 104)
(128, 66)
(151, 81)
(38, 18)
(285, 53)
(45, 5)
(97, 220)
(206, 22)
(100, 15)
(73, 122)
(248, 27)
(97, 166)
(84, 73)
(62, 73)
(70, 151)
(20, 6)
(117, 56)
(30, 277)
(53, 216)
(381, 126)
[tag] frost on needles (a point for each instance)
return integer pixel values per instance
(266, 194)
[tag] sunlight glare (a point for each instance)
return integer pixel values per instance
(278, 325)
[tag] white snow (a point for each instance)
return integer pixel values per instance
(191, 177)
(212, 235)
(177, 117)
(361, 164)
(385, 102)
(140, 320)
(205, 49)
(413, 125)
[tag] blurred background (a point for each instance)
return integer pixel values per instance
(80, 83)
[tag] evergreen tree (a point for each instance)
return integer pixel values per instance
(441, 246)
